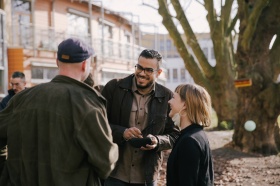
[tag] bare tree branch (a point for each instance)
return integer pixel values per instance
(232, 25)
(226, 13)
(199, 2)
(252, 22)
(189, 61)
(191, 40)
(148, 5)
(211, 17)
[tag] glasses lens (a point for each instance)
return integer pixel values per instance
(147, 71)
(138, 68)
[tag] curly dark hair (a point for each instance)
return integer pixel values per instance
(151, 54)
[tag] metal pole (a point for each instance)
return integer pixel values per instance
(133, 37)
(5, 74)
(96, 74)
(156, 37)
(102, 23)
(165, 47)
(139, 32)
(90, 18)
(133, 31)
(34, 30)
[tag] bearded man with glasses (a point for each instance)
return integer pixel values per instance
(137, 108)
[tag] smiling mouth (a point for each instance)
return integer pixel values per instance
(142, 77)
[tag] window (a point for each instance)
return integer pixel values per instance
(2, 83)
(107, 31)
(168, 75)
(3, 56)
(21, 6)
(161, 45)
(175, 74)
(40, 74)
(168, 44)
(212, 53)
(2, 50)
(127, 36)
(183, 74)
(165, 45)
(109, 74)
(77, 25)
(22, 34)
(205, 51)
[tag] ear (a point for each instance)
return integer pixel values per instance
(159, 72)
(84, 65)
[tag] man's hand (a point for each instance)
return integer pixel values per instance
(153, 145)
(132, 132)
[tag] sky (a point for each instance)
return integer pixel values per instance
(150, 20)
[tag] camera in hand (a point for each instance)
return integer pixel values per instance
(139, 142)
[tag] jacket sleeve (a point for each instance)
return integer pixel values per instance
(117, 130)
(6, 117)
(96, 139)
(3, 103)
(170, 134)
(189, 154)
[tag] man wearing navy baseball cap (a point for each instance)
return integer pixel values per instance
(58, 133)
(73, 50)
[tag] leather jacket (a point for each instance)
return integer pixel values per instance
(119, 95)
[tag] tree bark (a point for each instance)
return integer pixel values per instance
(259, 21)
(259, 102)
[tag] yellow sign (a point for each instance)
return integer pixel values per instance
(243, 83)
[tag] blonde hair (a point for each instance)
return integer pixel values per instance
(198, 103)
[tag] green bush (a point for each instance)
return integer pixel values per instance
(226, 125)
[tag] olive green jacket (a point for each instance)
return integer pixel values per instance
(57, 135)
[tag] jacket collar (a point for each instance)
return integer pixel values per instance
(126, 84)
(191, 127)
(61, 78)
(11, 92)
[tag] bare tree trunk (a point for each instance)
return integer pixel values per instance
(259, 21)
(259, 102)
(262, 139)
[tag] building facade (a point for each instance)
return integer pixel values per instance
(34, 28)
(176, 72)
(3, 52)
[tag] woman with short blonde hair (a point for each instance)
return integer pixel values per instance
(190, 162)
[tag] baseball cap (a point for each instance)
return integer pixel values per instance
(73, 50)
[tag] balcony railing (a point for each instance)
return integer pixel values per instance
(116, 50)
(28, 37)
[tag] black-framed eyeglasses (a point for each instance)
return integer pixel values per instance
(147, 71)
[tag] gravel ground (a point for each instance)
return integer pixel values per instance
(234, 168)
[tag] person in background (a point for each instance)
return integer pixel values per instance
(138, 110)
(99, 88)
(89, 80)
(18, 84)
(58, 132)
(190, 162)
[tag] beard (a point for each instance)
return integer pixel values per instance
(143, 87)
